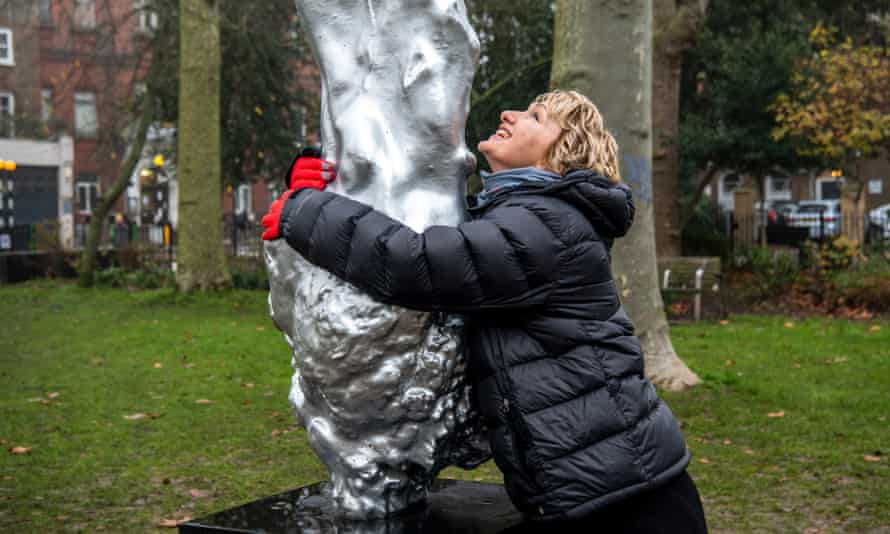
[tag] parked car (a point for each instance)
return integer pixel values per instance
(821, 217)
(777, 212)
(879, 223)
(780, 211)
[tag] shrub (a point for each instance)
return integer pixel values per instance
(248, 273)
(834, 255)
(867, 285)
(149, 277)
(770, 272)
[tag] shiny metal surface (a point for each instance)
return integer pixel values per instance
(381, 390)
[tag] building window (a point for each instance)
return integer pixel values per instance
(85, 123)
(46, 104)
(6, 53)
(7, 115)
(45, 12)
(829, 188)
(84, 14)
(87, 193)
(779, 185)
(147, 20)
(731, 183)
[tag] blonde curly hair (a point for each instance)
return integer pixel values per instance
(584, 142)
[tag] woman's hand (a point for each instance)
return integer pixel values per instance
(271, 219)
(308, 171)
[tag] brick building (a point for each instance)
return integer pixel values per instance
(874, 174)
(68, 71)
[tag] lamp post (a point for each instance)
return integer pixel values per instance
(7, 203)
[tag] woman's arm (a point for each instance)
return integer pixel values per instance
(506, 260)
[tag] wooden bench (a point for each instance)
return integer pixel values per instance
(696, 276)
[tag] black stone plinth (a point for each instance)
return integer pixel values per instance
(453, 506)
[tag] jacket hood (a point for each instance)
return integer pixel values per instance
(609, 207)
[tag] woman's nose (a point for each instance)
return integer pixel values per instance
(508, 116)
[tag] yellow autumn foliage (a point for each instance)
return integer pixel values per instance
(839, 102)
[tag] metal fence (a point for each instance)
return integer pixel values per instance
(870, 230)
(242, 237)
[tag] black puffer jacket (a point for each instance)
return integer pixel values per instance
(574, 425)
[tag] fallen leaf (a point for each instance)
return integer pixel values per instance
(871, 458)
(729, 363)
(137, 416)
(724, 322)
(98, 362)
(749, 451)
(248, 385)
(203, 401)
(170, 523)
(158, 365)
(20, 450)
(796, 365)
(198, 493)
(260, 328)
(875, 328)
(52, 395)
(776, 414)
(36, 399)
(727, 442)
(189, 365)
(245, 402)
(789, 324)
(704, 461)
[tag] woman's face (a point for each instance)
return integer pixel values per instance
(523, 139)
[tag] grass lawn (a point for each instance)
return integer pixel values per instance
(141, 407)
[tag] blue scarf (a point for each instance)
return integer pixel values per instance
(495, 182)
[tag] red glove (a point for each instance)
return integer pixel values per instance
(270, 220)
(310, 171)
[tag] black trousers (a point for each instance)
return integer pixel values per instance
(673, 508)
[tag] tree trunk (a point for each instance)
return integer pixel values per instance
(200, 258)
(676, 25)
(87, 266)
(603, 48)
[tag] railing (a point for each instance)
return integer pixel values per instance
(871, 230)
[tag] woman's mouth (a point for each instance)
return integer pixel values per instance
(501, 135)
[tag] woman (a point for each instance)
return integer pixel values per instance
(578, 432)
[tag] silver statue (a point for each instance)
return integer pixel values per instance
(380, 389)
